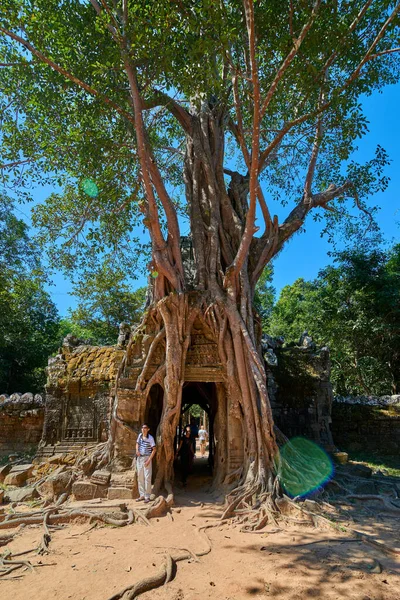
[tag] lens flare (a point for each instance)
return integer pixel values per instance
(154, 274)
(90, 188)
(303, 467)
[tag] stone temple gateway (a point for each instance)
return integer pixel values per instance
(84, 380)
(81, 389)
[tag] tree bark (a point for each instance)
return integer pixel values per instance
(224, 302)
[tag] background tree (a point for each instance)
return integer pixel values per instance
(131, 99)
(106, 298)
(354, 307)
(28, 318)
(264, 297)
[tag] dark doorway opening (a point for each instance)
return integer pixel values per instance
(199, 409)
(154, 408)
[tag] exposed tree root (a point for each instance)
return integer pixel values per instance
(166, 570)
(379, 545)
(66, 516)
(8, 565)
(389, 506)
(7, 538)
(55, 514)
(267, 509)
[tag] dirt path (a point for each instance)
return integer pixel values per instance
(294, 563)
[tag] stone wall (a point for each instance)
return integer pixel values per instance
(367, 424)
(21, 423)
(81, 383)
(299, 389)
(78, 391)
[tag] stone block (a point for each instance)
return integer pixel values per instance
(129, 402)
(360, 470)
(341, 457)
(85, 490)
(4, 471)
(56, 484)
(101, 477)
(120, 493)
(18, 475)
(126, 479)
(21, 494)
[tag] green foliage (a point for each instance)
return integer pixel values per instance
(105, 299)
(28, 318)
(264, 296)
(354, 307)
(196, 411)
(67, 128)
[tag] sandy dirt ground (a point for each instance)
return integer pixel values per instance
(288, 562)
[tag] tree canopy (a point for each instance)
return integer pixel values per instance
(354, 307)
(289, 75)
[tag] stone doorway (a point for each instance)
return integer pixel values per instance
(203, 395)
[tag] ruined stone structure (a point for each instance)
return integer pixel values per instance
(79, 385)
(81, 389)
(300, 391)
(21, 423)
(367, 424)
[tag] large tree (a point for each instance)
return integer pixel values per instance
(239, 103)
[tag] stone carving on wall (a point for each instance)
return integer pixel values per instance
(123, 336)
(80, 422)
(201, 351)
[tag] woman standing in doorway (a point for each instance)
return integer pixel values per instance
(186, 454)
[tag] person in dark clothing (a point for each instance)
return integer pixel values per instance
(186, 454)
(194, 432)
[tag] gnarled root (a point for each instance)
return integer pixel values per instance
(159, 508)
(388, 550)
(6, 538)
(166, 571)
(389, 506)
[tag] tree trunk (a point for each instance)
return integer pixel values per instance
(224, 303)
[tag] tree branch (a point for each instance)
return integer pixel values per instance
(289, 59)
(354, 75)
(113, 30)
(22, 64)
(250, 229)
(160, 249)
(15, 163)
(314, 155)
(90, 90)
(384, 53)
(296, 218)
(162, 99)
(239, 126)
(352, 27)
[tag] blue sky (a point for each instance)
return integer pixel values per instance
(307, 253)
